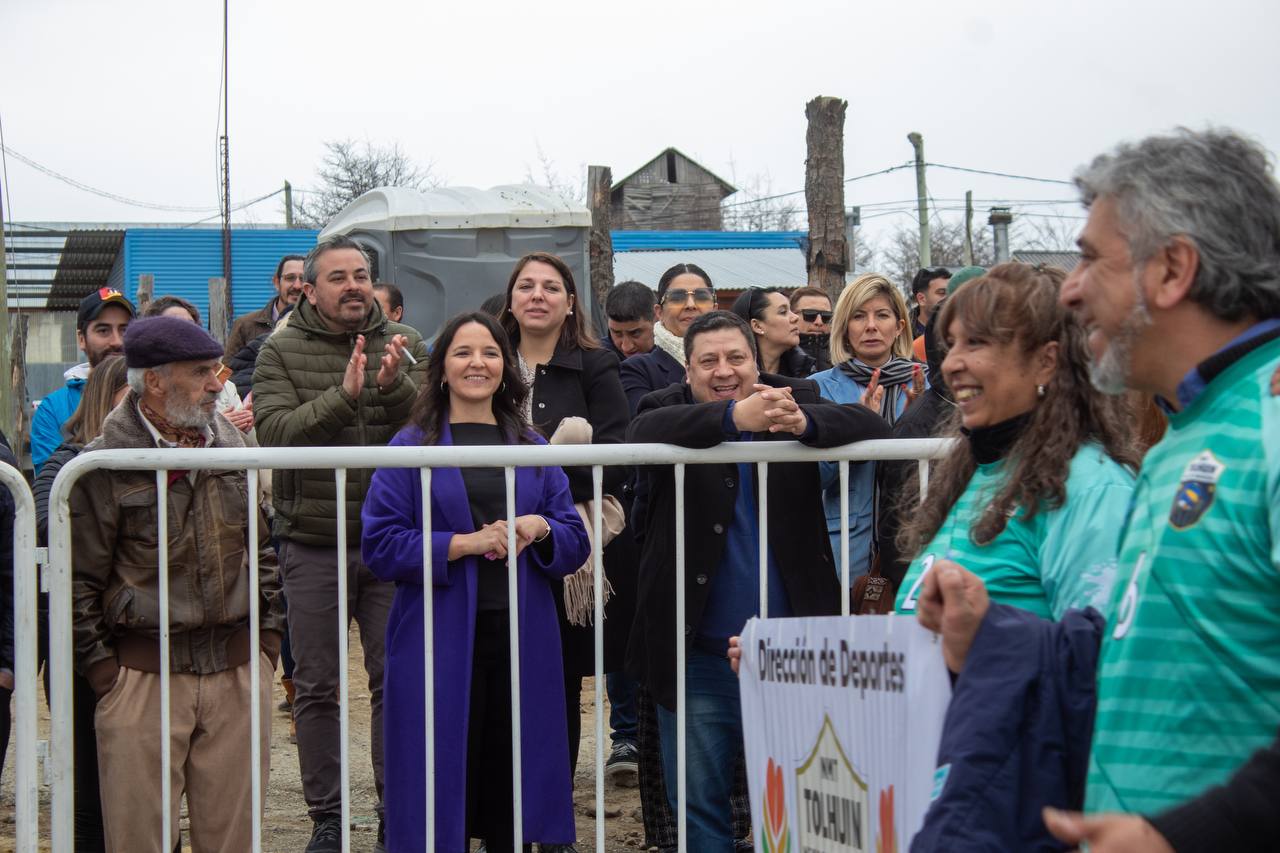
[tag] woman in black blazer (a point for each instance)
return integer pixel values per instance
(571, 375)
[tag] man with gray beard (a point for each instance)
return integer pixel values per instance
(173, 377)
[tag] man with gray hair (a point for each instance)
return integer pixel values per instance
(315, 386)
(1179, 289)
(173, 377)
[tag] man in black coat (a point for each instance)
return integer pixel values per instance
(727, 399)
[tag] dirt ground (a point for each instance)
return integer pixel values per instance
(286, 827)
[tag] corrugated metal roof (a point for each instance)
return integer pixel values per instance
(730, 269)
(649, 241)
(183, 260)
(1062, 260)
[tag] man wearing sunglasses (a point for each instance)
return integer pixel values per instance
(685, 293)
(814, 307)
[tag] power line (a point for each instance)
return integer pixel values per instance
(103, 193)
(1000, 174)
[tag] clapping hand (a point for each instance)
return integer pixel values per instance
(916, 388)
(353, 378)
(391, 360)
(873, 397)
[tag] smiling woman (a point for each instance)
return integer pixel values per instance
(1032, 497)
(473, 396)
(570, 375)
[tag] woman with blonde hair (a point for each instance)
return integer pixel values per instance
(871, 351)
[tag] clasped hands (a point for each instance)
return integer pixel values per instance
(770, 410)
(490, 541)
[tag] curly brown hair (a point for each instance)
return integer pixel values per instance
(1017, 303)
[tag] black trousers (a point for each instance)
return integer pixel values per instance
(489, 788)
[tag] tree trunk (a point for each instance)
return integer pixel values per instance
(146, 289)
(218, 319)
(824, 194)
(600, 247)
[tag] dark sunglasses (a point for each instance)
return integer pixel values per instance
(701, 295)
(810, 315)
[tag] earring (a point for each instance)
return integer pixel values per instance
(1040, 391)
(442, 384)
(570, 312)
(503, 387)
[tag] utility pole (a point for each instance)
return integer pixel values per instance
(600, 245)
(824, 194)
(288, 205)
(852, 219)
(6, 372)
(227, 311)
(922, 200)
(968, 228)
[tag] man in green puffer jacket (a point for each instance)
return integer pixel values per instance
(335, 376)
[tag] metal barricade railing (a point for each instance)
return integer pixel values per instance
(25, 657)
(340, 460)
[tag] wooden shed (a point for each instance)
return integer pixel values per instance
(669, 193)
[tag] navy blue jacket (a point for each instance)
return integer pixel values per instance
(651, 371)
(1016, 735)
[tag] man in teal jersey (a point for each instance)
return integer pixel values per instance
(1179, 286)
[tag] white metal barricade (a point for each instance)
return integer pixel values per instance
(58, 575)
(25, 642)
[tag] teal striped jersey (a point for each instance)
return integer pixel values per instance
(1189, 676)
(1057, 559)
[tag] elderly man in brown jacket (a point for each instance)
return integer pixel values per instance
(173, 376)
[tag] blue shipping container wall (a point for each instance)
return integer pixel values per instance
(184, 259)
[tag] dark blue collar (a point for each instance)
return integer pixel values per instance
(1199, 377)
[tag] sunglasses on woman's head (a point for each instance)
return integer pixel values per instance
(701, 295)
(812, 314)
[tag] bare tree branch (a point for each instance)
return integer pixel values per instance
(350, 169)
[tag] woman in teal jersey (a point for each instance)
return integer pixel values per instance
(1034, 495)
(871, 351)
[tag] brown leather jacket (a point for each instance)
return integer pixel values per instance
(115, 554)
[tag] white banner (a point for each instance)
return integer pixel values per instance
(841, 718)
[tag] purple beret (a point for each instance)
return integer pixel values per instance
(153, 341)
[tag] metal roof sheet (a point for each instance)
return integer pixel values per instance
(730, 269)
(648, 241)
(1062, 260)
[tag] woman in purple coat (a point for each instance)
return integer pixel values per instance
(473, 396)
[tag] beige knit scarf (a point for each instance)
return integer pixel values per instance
(669, 343)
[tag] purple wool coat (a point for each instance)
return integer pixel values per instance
(391, 546)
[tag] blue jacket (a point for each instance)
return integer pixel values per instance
(839, 387)
(1016, 735)
(52, 413)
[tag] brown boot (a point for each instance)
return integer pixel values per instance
(287, 704)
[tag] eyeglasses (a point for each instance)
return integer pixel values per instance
(701, 295)
(811, 315)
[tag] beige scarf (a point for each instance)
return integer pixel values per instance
(669, 343)
(579, 587)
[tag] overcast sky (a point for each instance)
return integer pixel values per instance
(123, 96)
